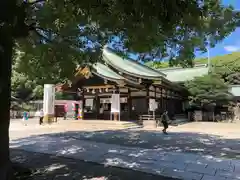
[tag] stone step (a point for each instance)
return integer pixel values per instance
(107, 123)
(179, 122)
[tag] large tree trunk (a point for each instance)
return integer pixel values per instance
(5, 81)
(6, 47)
(5, 75)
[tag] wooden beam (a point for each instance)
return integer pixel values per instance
(97, 105)
(147, 98)
(162, 102)
(99, 87)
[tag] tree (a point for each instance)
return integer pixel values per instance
(64, 96)
(229, 68)
(25, 89)
(157, 65)
(56, 36)
(217, 61)
(208, 89)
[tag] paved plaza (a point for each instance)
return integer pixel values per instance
(50, 167)
(197, 151)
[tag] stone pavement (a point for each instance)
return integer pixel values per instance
(154, 161)
(191, 142)
(46, 167)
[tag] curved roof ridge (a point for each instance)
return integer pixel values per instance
(106, 72)
(130, 66)
(129, 59)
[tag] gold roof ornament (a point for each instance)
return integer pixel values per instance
(84, 72)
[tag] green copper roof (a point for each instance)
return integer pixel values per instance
(184, 74)
(129, 66)
(106, 72)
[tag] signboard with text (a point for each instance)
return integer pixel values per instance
(115, 103)
(152, 105)
(49, 99)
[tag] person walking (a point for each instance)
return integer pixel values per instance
(41, 115)
(164, 120)
(25, 118)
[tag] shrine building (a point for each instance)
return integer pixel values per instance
(136, 84)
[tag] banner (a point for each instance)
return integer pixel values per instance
(115, 103)
(153, 105)
(49, 99)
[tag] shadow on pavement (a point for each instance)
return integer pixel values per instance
(203, 144)
(134, 150)
(58, 168)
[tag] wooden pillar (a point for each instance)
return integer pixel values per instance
(155, 96)
(155, 92)
(147, 98)
(175, 103)
(97, 105)
(172, 103)
(129, 102)
(162, 103)
(77, 97)
(167, 101)
(83, 103)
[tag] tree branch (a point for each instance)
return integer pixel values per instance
(34, 2)
(54, 33)
(49, 40)
(42, 36)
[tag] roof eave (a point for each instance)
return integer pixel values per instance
(130, 73)
(119, 81)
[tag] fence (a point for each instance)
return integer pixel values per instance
(18, 114)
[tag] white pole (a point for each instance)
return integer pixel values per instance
(49, 102)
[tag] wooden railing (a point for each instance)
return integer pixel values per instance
(148, 117)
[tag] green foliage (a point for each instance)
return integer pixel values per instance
(157, 65)
(208, 89)
(52, 43)
(229, 68)
(25, 89)
(63, 96)
(216, 61)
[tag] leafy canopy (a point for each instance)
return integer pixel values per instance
(229, 68)
(56, 36)
(208, 89)
(216, 61)
(25, 89)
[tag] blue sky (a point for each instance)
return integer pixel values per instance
(229, 44)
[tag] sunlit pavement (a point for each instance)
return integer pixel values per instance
(190, 151)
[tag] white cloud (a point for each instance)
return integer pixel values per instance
(232, 48)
